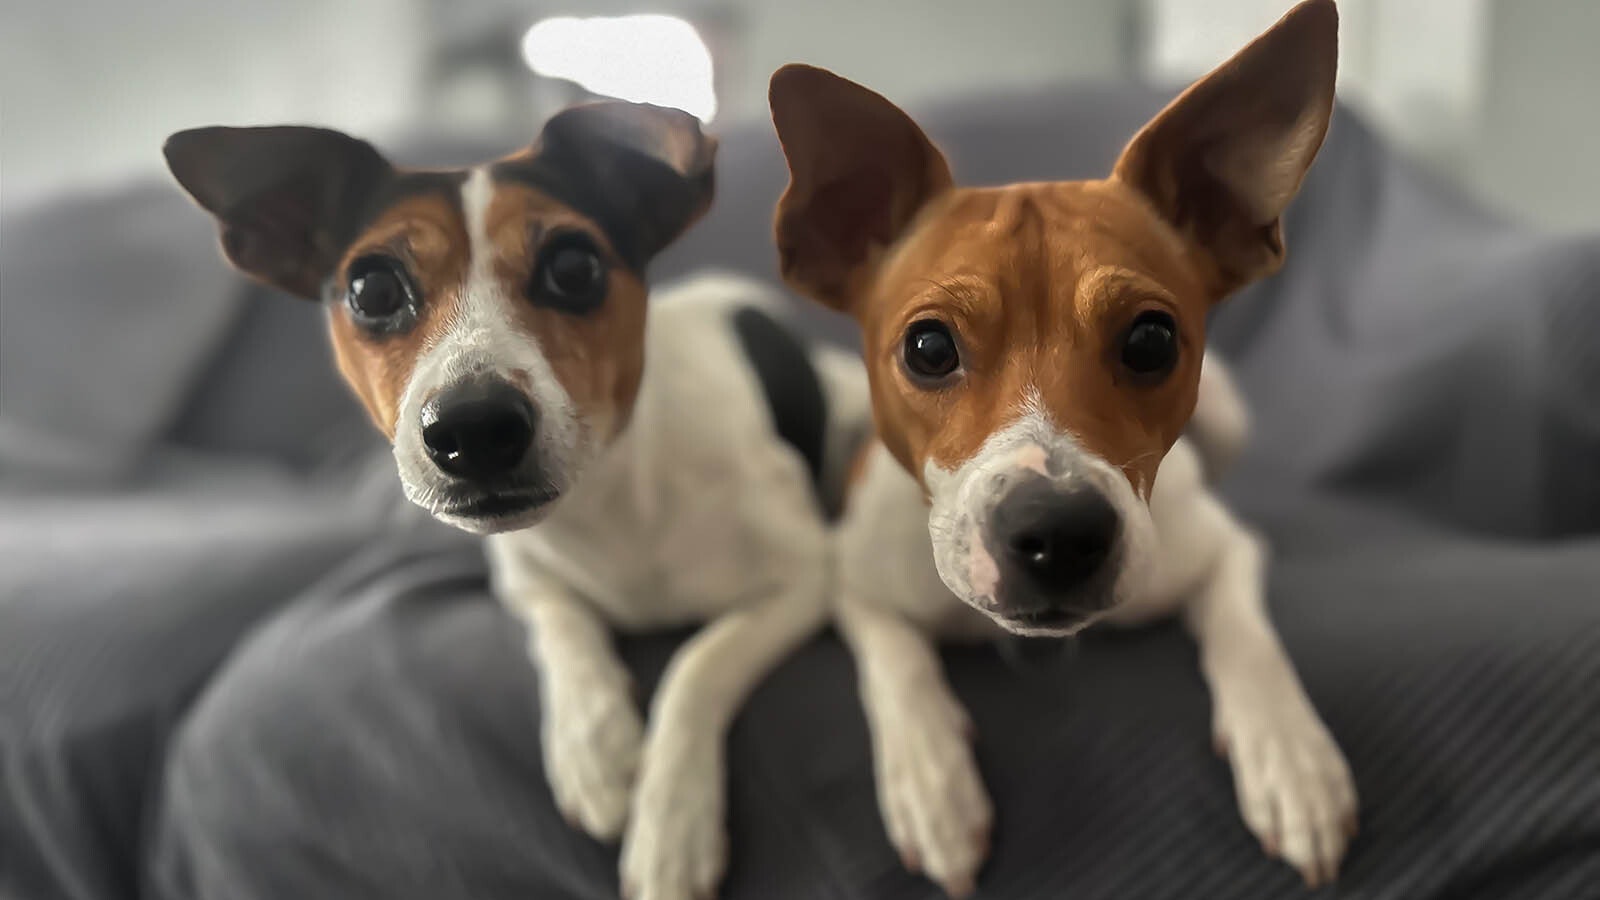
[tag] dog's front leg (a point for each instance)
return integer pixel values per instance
(931, 796)
(1293, 784)
(591, 728)
(676, 846)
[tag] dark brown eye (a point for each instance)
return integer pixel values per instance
(930, 350)
(570, 276)
(1151, 347)
(379, 288)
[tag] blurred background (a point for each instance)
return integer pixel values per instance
(1495, 94)
(174, 442)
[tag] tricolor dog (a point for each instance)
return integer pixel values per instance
(1035, 356)
(629, 475)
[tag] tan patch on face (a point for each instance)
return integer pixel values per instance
(598, 356)
(425, 232)
(1039, 283)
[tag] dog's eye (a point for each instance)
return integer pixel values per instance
(570, 275)
(1151, 347)
(930, 350)
(378, 288)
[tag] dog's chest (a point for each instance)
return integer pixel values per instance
(696, 508)
(644, 564)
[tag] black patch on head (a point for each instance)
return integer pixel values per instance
(411, 184)
(289, 199)
(599, 200)
(402, 185)
(642, 173)
(790, 383)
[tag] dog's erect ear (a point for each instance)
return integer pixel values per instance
(1224, 159)
(859, 171)
(288, 199)
(644, 173)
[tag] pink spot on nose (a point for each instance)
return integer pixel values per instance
(1032, 457)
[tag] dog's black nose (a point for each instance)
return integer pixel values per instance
(478, 429)
(1053, 540)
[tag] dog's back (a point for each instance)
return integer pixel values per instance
(815, 393)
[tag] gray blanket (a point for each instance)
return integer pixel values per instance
(177, 461)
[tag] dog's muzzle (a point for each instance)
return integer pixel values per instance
(1055, 549)
(480, 433)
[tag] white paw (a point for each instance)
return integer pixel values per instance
(677, 847)
(933, 800)
(592, 736)
(1294, 786)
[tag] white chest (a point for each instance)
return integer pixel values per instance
(696, 508)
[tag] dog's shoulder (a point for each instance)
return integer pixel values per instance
(1221, 421)
(729, 360)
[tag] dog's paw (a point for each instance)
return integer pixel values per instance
(676, 847)
(592, 738)
(934, 804)
(1293, 784)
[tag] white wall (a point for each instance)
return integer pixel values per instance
(89, 89)
(1538, 151)
(1500, 93)
(916, 50)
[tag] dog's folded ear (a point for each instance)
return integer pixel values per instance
(288, 199)
(859, 171)
(644, 173)
(1224, 159)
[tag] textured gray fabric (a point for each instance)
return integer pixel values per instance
(114, 610)
(380, 740)
(1429, 364)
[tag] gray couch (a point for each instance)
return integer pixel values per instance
(233, 664)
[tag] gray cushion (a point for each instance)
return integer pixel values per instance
(380, 739)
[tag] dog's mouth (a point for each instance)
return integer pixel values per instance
(1043, 623)
(490, 512)
(1050, 618)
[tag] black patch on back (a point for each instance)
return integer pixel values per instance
(790, 383)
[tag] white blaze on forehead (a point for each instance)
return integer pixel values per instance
(477, 192)
(485, 333)
(477, 333)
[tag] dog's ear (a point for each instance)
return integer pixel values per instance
(644, 173)
(1223, 160)
(859, 171)
(288, 199)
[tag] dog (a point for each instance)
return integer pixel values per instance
(1034, 353)
(492, 320)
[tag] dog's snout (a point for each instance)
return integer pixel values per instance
(479, 429)
(1053, 540)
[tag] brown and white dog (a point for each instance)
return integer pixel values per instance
(493, 322)
(1035, 354)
